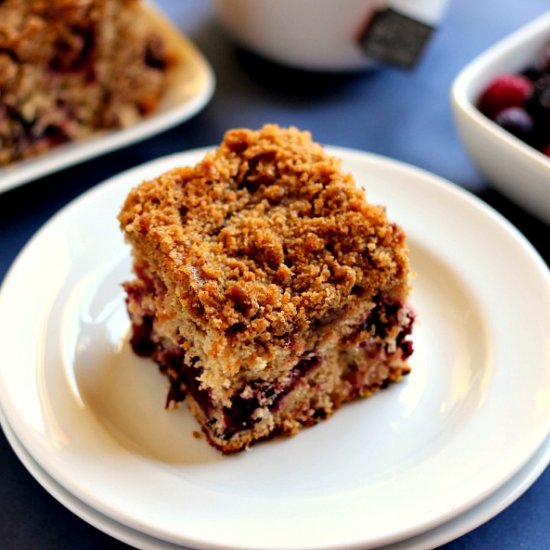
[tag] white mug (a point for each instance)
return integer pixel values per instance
(315, 34)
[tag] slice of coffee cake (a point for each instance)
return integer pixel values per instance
(267, 289)
(72, 68)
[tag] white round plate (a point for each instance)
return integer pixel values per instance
(459, 525)
(189, 87)
(472, 413)
(83, 511)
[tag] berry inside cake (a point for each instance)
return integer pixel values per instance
(267, 288)
(69, 68)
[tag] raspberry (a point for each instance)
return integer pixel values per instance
(509, 90)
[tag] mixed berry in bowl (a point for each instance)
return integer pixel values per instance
(520, 102)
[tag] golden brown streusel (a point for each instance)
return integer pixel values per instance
(265, 231)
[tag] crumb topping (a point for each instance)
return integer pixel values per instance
(265, 236)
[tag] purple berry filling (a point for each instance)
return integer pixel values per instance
(74, 51)
(238, 417)
(155, 54)
(185, 378)
(141, 341)
(380, 320)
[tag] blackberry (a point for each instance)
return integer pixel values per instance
(538, 102)
(518, 122)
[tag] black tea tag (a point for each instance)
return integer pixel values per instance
(395, 38)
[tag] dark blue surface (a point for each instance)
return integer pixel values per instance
(403, 115)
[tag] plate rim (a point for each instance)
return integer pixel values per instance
(462, 524)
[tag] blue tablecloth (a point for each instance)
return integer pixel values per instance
(403, 115)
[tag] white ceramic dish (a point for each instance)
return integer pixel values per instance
(190, 87)
(515, 168)
(91, 413)
(487, 509)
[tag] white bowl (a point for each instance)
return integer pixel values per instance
(515, 168)
(314, 34)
